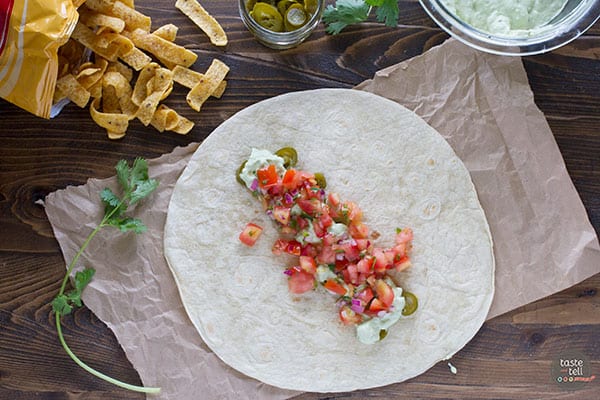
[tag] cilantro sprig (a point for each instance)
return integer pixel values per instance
(348, 12)
(135, 185)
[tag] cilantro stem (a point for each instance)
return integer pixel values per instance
(76, 258)
(136, 185)
(99, 374)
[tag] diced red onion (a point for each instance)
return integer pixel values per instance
(254, 184)
(288, 272)
(339, 256)
(289, 198)
(357, 306)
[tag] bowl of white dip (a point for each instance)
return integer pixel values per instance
(514, 27)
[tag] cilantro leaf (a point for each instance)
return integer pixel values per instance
(123, 174)
(136, 185)
(126, 224)
(64, 303)
(345, 12)
(114, 207)
(387, 12)
(60, 305)
(142, 189)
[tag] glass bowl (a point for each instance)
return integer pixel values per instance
(574, 18)
(281, 40)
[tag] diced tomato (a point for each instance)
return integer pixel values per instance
(300, 281)
(354, 212)
(333, 199)
(335, 287)
(341, 264)
(346, 275)
(362, 244)
(313, 192)
(326, 256)
(308, 264)
(250, 234)
(350, 249)
(364, 265)
(348, 316)
(402, 264)
(310, 206)
(267, 176)
(358, 230)
(304, 176)
(376, 306)
(404, 236)
(389, 256)
(290, 179)
(328, 240)
(365, 295)
(320, 231)
(309, 250)
(282, 215)
(362, 278)
(384, 292)
(325, 219)
(380, 263)
(353, 273)
(287, 246)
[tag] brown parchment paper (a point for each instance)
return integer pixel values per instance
(483, 106)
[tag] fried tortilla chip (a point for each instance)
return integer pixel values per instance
(73, 90)
(194, 11)
(116, 124)
(169, 53)
(212, 79)
(167, 119)
(190, 78)
(167, 32)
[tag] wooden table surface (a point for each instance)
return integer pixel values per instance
(510, 357)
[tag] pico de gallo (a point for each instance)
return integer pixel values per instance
(331, 243)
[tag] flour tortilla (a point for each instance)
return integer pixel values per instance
(401, 172)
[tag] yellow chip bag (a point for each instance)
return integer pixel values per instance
(31, 33)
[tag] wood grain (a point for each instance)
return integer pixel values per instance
(511, 356)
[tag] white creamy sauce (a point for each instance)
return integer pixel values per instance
(259, 159)
(368, 331)
(505, 17)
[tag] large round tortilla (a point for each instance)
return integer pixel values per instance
(401, 172)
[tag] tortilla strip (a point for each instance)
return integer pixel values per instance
(206, 22)
(207, 85)
(169, 53)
